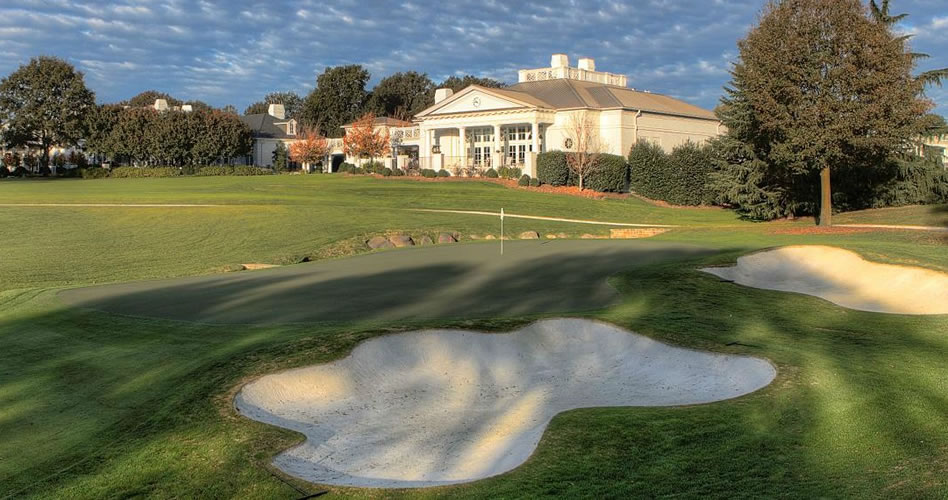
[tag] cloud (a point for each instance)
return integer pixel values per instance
(234, 52)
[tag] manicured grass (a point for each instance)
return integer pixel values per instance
(97, 405)
(920, 215)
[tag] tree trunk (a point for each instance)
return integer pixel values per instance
(826, 201)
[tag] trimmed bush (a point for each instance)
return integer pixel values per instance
(552, 168)
(681, 178)
(491, 173)
(524, 180)
(397, 172)
(93, 173)
(373, 167)
(358, 170)
(429, 173)
(506, 172)
(611, 175)
(346, 168)
(129, 172)
(213, 170)
(386, 172)
(444, 173)
(534, 182)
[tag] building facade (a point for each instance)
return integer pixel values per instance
(483, 127)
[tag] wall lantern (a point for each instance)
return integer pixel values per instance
(436, 149)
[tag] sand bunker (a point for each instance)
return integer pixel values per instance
(440, 406)
(842, 277)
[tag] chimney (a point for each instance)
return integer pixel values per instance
(559, 61)
(587, 63)
(187, 108)
(161, 104)
(277, 111)
(442, 94)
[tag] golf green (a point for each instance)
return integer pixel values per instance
(444, 281)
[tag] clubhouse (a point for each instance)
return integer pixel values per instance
(489, 127)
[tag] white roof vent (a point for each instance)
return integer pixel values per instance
(277, 111)
(442, 94)
(559, 61)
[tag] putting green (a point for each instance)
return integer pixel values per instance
(450, 281)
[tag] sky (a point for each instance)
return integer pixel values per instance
(236, 51)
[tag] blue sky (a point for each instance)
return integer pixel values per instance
(234, 52)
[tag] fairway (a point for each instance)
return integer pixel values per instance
(126, 335)
(445, 281)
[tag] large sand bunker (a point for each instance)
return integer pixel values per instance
(842, 277)
(440, 406)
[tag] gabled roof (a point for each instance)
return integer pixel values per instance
(518, 98)
(264, 125)
(564, 93)
(385, 121)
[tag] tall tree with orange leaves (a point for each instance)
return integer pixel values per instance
(311, 148)
(363, 140)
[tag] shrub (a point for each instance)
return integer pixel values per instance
(19, 172)
(347, 168)
(534, 182)
(250, 170)
(524, 180)
(444, 173)
(682, 178)
(397, 172)
(358, 171)
(128, 172)
(491, 173)
(373, 167)
(214, 170)
(552, 168)
(509, 172)
(611, 174)
(4, 171)
(386, 172)
(429, 173)
(93, 173)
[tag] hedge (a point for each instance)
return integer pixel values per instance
(491, 174)
(128, 172)
(681, 178)
(94, 173)
(213, 170)
(509, 172)
(552, 168)
(444, 173)
(611, 174)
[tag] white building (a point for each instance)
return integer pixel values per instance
(488, 127)
(269, 129)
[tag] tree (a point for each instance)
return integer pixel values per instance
(586, 147)
(129, 138)
(310, 148)
(44, 104)
(457, 84)
(222, 137)
(280, 157)
(880, 12)
(402, 95)
(363, 140)
(291, 101)
(148, 98)
(339, 97)
(818, 85)
(100, 122)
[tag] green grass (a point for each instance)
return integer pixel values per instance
(96, 405)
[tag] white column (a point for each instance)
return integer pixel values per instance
(497, 159)
(462, 133)
(536, 137)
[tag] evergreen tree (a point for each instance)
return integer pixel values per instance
(819, 86)
(280, 157)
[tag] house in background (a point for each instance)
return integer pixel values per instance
(269, 129)
(489, 127)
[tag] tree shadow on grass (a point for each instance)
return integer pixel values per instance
(440, 282)
(857, 406)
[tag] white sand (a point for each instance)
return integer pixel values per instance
(842, 277)
(440, 406)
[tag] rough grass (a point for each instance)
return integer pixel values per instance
(94, 405)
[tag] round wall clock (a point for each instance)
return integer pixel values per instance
(568, 143)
